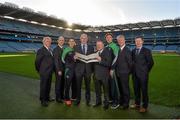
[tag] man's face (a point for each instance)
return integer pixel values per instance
(83, 39)
(71, 43)
(121, 41)
(99, 46)
(109, 38)
(61, 41)
(47, 42)
(138, 42)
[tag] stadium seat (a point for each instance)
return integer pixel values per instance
(171, 48)
(159, 48)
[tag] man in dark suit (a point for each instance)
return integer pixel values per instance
(101, 72)
(142, 64)
(59, 70)
(83, 70)
(123, 66)
(44, 65)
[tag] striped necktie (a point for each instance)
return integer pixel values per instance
(49, 49)
(137, 51)
(84, 49)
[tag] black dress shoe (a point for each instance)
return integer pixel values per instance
(59, 100)
(97, 105)
(44, 103)
(135, 106)
(88, 104)
(73, 99)
(110, 101)
(106, 107)
(76, 103)
(51, 99)
(125, 107)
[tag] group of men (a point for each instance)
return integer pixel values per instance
(115, 63)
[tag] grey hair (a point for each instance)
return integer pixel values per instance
(45, 38)
(120, 36)
(60, 37)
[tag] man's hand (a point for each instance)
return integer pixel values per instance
(111, 72)
(98, 58)
(59, 73)
(75, 57)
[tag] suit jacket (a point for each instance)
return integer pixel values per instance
(44, 62)
(81, 67)
(57, 53)
(102, 68)
(123, 63)
(143, 62)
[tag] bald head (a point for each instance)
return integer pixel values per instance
(99, 45)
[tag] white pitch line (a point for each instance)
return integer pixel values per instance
(2, 56)
(167, 55)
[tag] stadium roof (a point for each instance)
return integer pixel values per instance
(13, 10)
(140, 25)
(27, 14)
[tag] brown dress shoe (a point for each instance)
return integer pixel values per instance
(142, 110)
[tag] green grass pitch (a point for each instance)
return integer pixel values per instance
(164, 84)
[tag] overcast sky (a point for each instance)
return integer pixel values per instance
(105, 12)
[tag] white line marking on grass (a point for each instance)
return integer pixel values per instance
(167, 55)
(14, 55)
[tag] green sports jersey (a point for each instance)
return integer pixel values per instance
(65, 52)
(114, 47)
(115, 50)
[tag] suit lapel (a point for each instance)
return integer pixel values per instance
(141, 51)
(87, 52)
(80, 49)
(48, 51)
(122, 51)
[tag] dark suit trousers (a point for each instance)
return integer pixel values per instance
(123, 83)
(141, 88)
(87, 80)
(104, 84)
(45, 86)
(69, 75)
(110, 91)
(59, 86)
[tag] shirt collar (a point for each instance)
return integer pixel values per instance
(139, 48)
(46, 47)
(123, 47)
(60, 46)
(83, 44)
(100, 51)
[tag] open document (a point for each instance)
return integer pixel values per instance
(87, 58)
